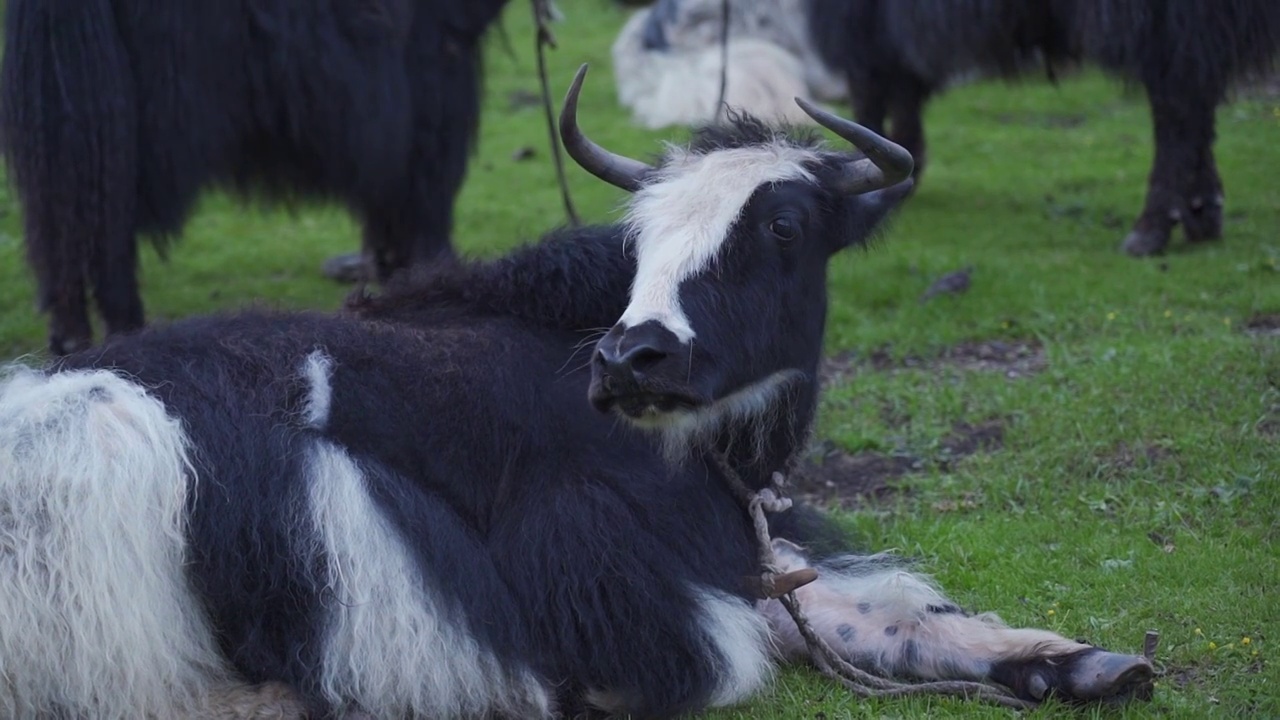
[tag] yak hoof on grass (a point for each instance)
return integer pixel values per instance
(1090, 675)
(348, 268)
(1102, 675)
(1145, 243)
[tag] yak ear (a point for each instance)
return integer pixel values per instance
(867, 212)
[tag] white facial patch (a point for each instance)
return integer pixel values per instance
(681, 220)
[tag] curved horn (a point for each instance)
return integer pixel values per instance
(887, 163)
(614, 169)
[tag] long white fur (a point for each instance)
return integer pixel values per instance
(741, 636)
(394, 648)
(852, 611)
(97, 618)
(682, 217)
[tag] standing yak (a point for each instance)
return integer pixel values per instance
(117, 113)
(1185, 53)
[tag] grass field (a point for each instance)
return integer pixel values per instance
(1129, 474)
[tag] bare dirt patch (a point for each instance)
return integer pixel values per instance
(1013, 359)
(833, 478)
(965, 440)
(1128, 457)
(1263, 325)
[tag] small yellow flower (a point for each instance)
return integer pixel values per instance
(1213, 645)
(1168, 313)
(1005, 324)
(1111, 316)
(1052, 611)
(1245, 640)
(1198, 632)
(1226, 321)
(1255, 653)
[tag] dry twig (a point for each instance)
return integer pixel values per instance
(545, 38)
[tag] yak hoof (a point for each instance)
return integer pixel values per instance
(1090, 675)
(1145, 243)
(1102, 675)
(349, 268)
(62, 346)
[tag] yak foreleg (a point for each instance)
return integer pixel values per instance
(889, 621)
(1184, 186)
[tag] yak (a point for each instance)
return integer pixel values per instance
(896, 54)
(667, 62)
(116, 114)
(448, 501)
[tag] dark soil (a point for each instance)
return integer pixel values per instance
(1013, 359)
(833, 478)
(1127, 457)
(965, 440)
(1263, 325)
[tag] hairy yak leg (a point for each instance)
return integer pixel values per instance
(114, 276)
(1184, 185)
(897, 97)
(61, 287)
(906, 111)
(887, 620)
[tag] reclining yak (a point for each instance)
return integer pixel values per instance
(431, 507)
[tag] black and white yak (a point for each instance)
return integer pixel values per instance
(1186, 54)
(437, 505)
(115, 114)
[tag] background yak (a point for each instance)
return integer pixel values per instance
(1185, 53)
(446, 504)
(115, 114)
(667, 61)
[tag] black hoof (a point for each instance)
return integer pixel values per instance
(349, 268)
(61, 346)
(1091, 675)
(1145, 243)
(1202, 220)
(1102, 675)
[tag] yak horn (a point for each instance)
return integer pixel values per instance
(887, 163)
(616, 170)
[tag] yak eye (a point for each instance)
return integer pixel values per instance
(784, 227)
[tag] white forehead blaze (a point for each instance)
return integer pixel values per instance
(682, 217)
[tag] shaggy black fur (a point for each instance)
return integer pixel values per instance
(117, 113)
(1185, 53)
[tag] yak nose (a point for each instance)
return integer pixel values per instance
(628, 355)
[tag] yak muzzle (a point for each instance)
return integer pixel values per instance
(635, 371)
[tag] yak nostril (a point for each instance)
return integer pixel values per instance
(643, 358)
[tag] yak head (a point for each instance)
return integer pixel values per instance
(731, 235)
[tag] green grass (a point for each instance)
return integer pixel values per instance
(1061, 527)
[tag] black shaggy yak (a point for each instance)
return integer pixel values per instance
(115, 114)
(449, 503)
(1185, 53)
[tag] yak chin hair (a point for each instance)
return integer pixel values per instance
(753, 412)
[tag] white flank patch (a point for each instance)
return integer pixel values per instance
(681, 219)
(393, 647)
(741, 636)
(97, 618)
(318, 371)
